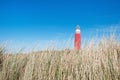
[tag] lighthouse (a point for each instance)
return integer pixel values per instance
(77, 41)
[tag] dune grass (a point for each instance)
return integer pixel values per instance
(95, 61)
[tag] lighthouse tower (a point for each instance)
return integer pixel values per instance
(77, 41)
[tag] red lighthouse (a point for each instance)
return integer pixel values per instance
(77, 42)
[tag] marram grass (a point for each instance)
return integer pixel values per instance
(95, 61)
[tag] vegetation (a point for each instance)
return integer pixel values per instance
(95, 61)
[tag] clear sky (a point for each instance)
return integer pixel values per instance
(26, 21)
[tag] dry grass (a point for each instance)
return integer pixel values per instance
(95, 61)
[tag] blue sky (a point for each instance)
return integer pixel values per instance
(24, 22)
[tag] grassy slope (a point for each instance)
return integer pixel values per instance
(99, 61)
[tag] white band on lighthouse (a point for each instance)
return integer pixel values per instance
(77, 29)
